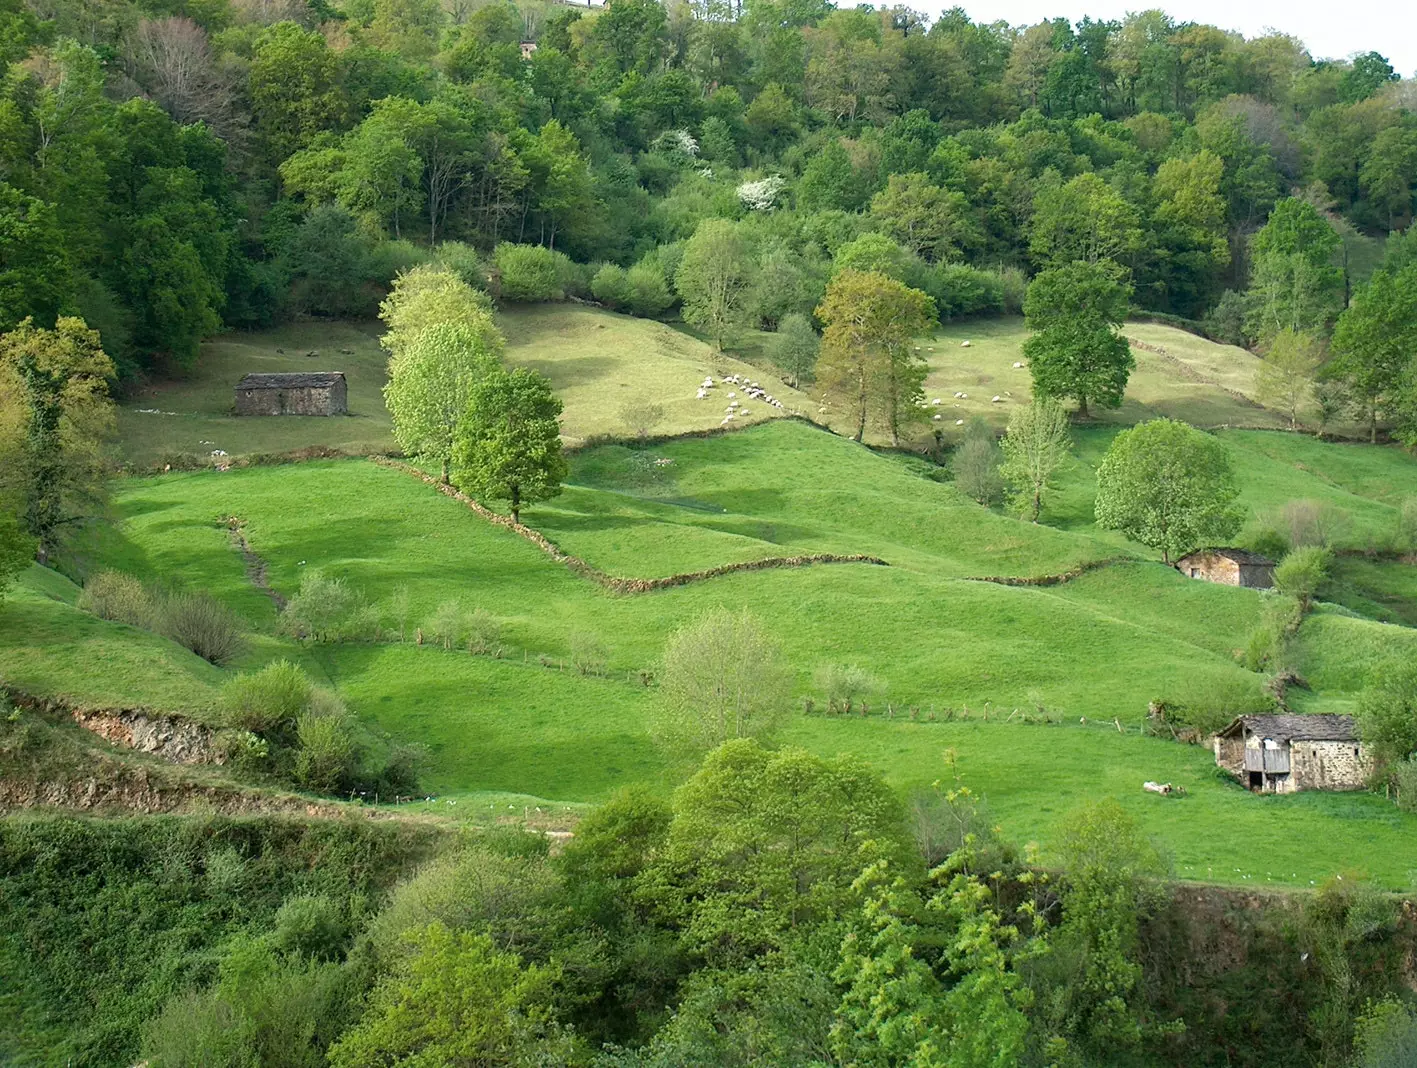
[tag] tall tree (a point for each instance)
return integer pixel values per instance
(1035, 446)
(54, 417)
(1169, 486)
(932, 222)
(1296, 283)
(1075, 350)
(508, 445)
(431, 381)
(715, 278)
(1374, 341)
(1286, 374)
(1084, 219)
(867, 363)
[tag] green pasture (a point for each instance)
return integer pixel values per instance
(527, 726)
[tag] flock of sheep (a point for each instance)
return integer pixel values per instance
(735, 407)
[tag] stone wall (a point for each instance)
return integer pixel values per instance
(296, 400)
(1329, 765)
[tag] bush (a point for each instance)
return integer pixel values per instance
(1206, 703)
(204, 625)
(1265, 539)
(267, 700)
(642, 416)
(1302, 572)
(447, 625)
(311, 926)
(464, 261)
(1013, 286)
(1311, 522)
(530, 273)
(976, 463)
(648, 294)
(588, 653)
(794, 348)
(611, 285)
(324, 610)
(484, 633)
(963, 290)
(119, 597)
(1226, 321)
(843, 684)
(1404, 781)
(326, 754)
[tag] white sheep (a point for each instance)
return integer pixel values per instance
(938, 418)
(1018, 364)
(935, 401)
(702, 393)
(732, 395)
(964, 344)
(964, 396)
(959, 422)
(997, 400)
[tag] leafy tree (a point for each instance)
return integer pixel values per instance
(1390, 171)
(1286, 375)
(1295, 283)
(1369, 73)
(1169, 486)
(294, 88)
(1083, 220)
(976, 463)
(722, 677)
(764, 847)
(1111, 883)
(932, 222)
(429, 295)
(430, 385)
(1373, 343)
(379, 179)
(875, 252)
(867, 364)
(34, 266)
(714, 279)
(508, 445)
(54, 417)
(329, 264)
(1035, 446)
(1075, 350)
(1387, 714)
(455, 999)
(1302, 571)
(794, 347)
(830, 181)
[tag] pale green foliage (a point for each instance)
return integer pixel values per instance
(1084, 220)
(325, 609)
(1311, 522)
(1385, 1036)
(722, 677)
(794, 347)
(121, 598)
(530, 274)
(435, 295)
(508, 445)
(1407, 526)
(1286, 376)
(976, 463)
(765, 844)
(430, 385)
(715, 278)
(1387, 713)
(588, 653)
(447, 624)
(484, 633)
(1036, 445)
(327, 753)
(1169, 486)
(454, 999)
(1302, 572)
(1111, 881)
(843, 684)
(266, 700)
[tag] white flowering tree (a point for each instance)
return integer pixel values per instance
(763, 194)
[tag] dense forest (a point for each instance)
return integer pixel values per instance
(174, 169)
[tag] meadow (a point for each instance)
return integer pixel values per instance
(1090, 653)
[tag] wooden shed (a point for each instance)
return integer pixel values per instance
(307, 393)
(1285, 754)
(1232, 567)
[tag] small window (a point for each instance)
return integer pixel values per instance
(1195, 572)
(1355, 752)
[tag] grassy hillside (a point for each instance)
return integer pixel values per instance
(1095, 649)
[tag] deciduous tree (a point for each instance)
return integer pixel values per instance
(867, 364)
(1075, 350)
(1035, 446)
(794, 347)
(1286, 375)
(1169, 486)
(1374, 341)
(715, 278)
(508, 444)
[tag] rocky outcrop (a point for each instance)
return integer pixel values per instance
(139, 791)
(170, 738)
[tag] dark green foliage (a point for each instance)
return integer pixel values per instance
(976, 463)
(104, 920)
(1076, 351)
(203, 624)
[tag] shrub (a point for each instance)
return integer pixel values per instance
(1206, 703)
(1265, 539)
(324, 610)
(794, 347)
(203, 624)
(447, 624)
(1312, 523)
(311, 926)
(964, 290)
(843, 684)
(1302, 572)
(647, 292)
(327, 753)
(1226, 321)
(1013, 286)
(464, 261)
(267, 700)
(588, 653)
(530, 273)
(976, 463)
(1404, 781)
(119, 597)
(642, 416)
(611, 285)
(484, 633)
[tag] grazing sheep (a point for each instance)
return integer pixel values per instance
(959, 422)
(938, 418)
(935, 401)
(702, 393)
(997, 400)
(732, 395)
(1018, 364)
(964, 344)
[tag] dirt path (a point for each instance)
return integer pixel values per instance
(257, 571)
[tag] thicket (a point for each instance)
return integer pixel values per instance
(193, 619)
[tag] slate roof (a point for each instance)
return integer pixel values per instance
(1297, 728)
(291, 380)
(1240, 556)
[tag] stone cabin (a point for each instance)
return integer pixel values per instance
(1285, 754)
(1232, 567)
(528, 49)
(311, 393)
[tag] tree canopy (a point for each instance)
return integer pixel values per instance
(507, 446)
